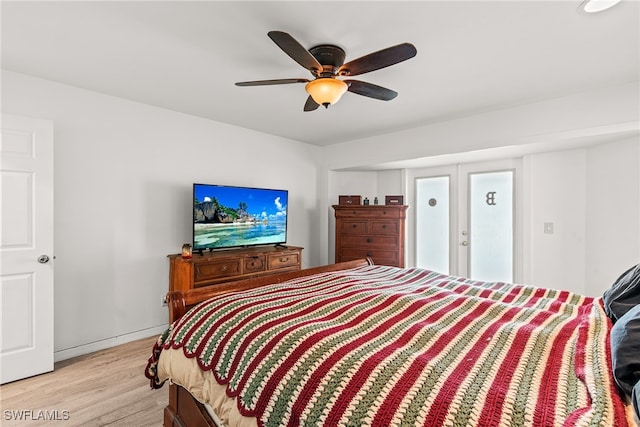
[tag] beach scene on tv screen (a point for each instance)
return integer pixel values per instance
(237, 216)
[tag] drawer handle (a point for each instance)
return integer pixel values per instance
(384, 225)
(368, 240)
(369, 254)
(224, 268)
(354, 226)
(282, 259)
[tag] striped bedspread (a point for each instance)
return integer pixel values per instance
(383, 346)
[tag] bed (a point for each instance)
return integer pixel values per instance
(360, 344)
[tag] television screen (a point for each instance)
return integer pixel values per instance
(227, 216)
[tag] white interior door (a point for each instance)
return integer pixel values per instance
(26, 247)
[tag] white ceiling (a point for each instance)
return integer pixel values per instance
(472, 56)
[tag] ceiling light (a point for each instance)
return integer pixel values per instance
(326, 90)
(593, 6)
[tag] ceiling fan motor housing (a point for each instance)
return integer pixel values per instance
(330, 56)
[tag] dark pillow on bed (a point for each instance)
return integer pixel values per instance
(625, 350)
(623, 294)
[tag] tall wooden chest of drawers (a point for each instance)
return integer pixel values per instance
(370, 231)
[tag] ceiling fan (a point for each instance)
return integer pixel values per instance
(326, 63)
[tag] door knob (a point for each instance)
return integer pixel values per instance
(464, 243)
(43, 259)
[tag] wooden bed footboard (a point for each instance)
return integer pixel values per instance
(183, 409)
(181, 301)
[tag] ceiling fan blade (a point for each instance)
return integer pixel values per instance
(310, 105)
(377, 60)
(271, 82)
(370, 90)
(295, 50)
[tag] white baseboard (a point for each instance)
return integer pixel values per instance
(107, 343)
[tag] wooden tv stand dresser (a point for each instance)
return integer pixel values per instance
(213, 267)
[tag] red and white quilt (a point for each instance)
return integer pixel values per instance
(383, 346)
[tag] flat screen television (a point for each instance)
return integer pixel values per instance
(227, 216)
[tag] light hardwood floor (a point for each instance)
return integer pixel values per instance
(106, 388)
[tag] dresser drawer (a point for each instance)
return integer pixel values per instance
(255, 264)
(377, 212)
(283, 260)
(367, 242)
(380, 256)
(216, 269)
(384, 227)
(353, 227)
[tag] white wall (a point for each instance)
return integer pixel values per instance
(123, 175)
(591, 196)
(613, 212)
(390, 183)
(555, 190)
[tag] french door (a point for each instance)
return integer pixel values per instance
(466, 220)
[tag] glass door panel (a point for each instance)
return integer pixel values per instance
(490, 240)
(432, 223)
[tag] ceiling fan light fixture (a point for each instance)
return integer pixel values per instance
(594, 6)
(326, 90)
